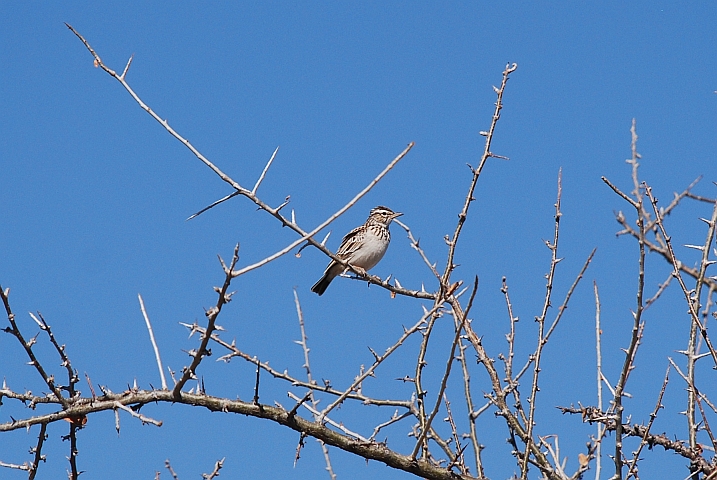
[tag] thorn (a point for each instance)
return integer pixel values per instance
(323, 242)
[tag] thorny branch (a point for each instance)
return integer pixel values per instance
(211, 314)
(540, 452)
(80, 407)
(251, 194)
(693, 303)
(632, 471)
(307, 365)
(652, 220)
(460, 322)
(27, 346)
(598, 365)
(541, 328)
(638, 325)
(680, 447)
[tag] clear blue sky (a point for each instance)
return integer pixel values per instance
(95, 194)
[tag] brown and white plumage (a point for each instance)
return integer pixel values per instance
(362, 247)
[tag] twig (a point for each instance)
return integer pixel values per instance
(700, 198)
(699, 463)
(74, 473)
(171, 470)
(263, 173)
(72, 377)
(619, 192)
(692, 386)
(213, 204)
(677, 197)
(395, 418)
(555, 453)
(212, 314)
(295, 408)
(416, 245)
(308, 237)
(512, 383)
(469, 403)
(138, 415)
(126, 68)
(454, 431)
(215, 473)
(27, 346)
(541, 326)
(444, 381)
(25, 466)
(378, 361)
(453, 241)
(235, 352)
(692, 304)
(569, 294)
(498, 398)
(707, 424)
(663, 251)
(631, 471)
(38, 451)
(660, 288)
(255, 400)
(324, 418)
(310, 394)
(154, 343)
(598, 349)
(511, 336)
(637, 326)
(417, 381)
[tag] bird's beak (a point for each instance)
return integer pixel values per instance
(395, 215)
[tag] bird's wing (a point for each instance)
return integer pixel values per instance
(351, 242)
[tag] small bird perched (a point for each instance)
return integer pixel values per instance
(363, 247)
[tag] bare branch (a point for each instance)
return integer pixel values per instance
(154, 343)
(214, 204)
(693, 304)
(415, 244)
(444, 381)
(137, 415)
(38, 451)
(471, 414)
(214, 473)
(453, 241)
(239, 190)
(541, 326)
(236, 352)
(263, 173)
(598, 363)
(212, 314)
(27, 346)
(369, 371)
(632, 470)
(310, 394)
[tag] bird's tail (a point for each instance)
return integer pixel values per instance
(331, 272)
(321, 286)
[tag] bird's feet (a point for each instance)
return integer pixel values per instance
(360, 271)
